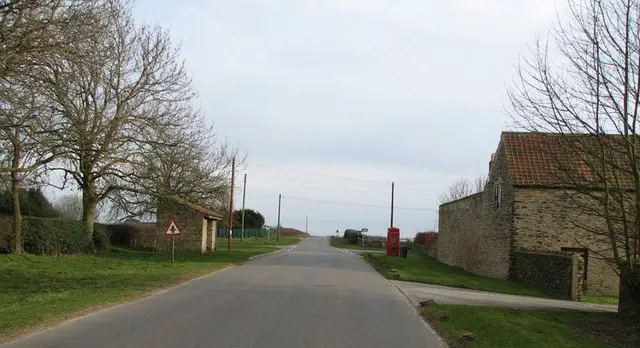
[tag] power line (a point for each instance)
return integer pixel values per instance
(416, 189)
(353, 204)
(325, 174)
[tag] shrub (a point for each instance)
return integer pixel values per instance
(425, 238)
(6, 233)
(100, 237)
(352, 237)
(420, 238)
(54, 236)
(431, 238)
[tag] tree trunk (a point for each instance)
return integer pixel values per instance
(629, 301)
(17, 216)
(15, 193)
(89, 204)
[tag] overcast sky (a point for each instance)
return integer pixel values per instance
(334, 99)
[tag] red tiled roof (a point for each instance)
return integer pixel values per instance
(551, 160)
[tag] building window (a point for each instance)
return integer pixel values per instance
(497, 196)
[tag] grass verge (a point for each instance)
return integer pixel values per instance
(423, 269)
(252, 242)
(504, 327)
(38, 291)
(342, 244)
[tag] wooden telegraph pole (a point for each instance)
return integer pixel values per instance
(279, 204)
(233, 183)
(393, 184)
(244, 195)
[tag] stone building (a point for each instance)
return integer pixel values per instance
(522, 225)
(197, 225)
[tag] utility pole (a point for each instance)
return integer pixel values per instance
(279, 204)
(393, 186)
(306, 224)
(233, 183)
(244, 195)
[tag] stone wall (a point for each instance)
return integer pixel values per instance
(188, 220)
(474, 233)
(558, 274)
(545, 221)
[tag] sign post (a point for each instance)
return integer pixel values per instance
(172, 231)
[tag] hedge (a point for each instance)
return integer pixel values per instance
(55, 236)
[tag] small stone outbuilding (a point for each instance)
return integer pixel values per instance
(522, 226)
(196, 223)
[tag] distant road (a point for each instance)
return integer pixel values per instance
(309, 296)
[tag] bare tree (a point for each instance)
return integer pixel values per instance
(116, 93)
(70, 205)
(589, 94)
(461, 188)
(31, 31)
(27, 141)
(32, 28)
(479, 183)
(197, 169)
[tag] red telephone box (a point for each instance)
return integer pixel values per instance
(393, 241)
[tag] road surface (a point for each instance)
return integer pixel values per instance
(309, 296)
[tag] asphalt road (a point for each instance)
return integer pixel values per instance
(309, 296)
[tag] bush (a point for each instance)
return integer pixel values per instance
(101, 237)
(425, 238)
(32, 203)
(54, 236)
(352, 237)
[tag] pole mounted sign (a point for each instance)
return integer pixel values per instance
(172, 231)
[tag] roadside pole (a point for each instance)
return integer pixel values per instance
(173, 249)
(306, 224)
(244, 195)
(393, 184)
(233, 182)
(172, 231)
(279, 204)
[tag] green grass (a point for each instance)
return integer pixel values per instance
(504, 327)
(342, 244)
(423, 269)
(40, 290)
(284, 240)
(600, 300)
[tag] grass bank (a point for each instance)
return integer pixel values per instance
(503, 327)
(423, 269)
(342, 244)
(40, 290)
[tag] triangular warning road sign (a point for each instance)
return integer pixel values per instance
(172, 229)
